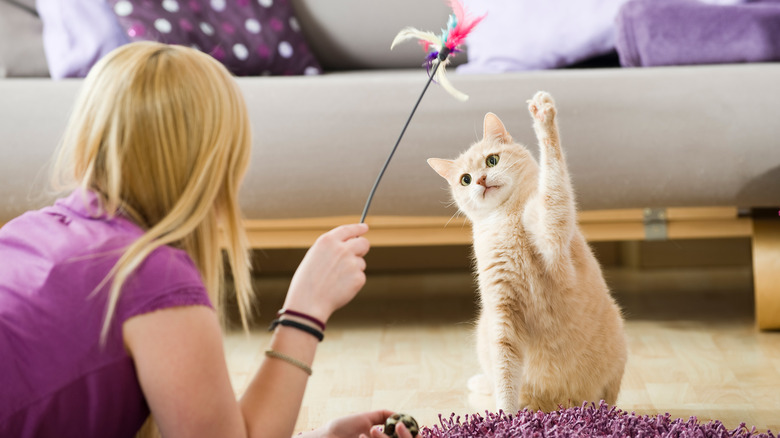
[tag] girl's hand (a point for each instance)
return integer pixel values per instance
(360, 425)
(331, 273)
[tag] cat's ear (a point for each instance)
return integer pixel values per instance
(494, 129)
(442, 167)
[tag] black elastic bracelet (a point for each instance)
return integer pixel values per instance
(295, 324)
(316, 321)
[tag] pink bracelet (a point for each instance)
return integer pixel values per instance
(316, 321)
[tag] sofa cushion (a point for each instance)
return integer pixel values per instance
(76, 34)
(533, 35)
(250, 37)
(656, 137)
(21, 44)
(634, 138)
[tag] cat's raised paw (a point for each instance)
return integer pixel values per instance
(542, 107)
(480, 384)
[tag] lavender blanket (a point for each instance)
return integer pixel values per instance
(685, 32)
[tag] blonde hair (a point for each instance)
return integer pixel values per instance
(161, 134)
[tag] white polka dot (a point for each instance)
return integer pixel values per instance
(311, 71)
(170, 5)
(253, 25)
(195, 46)
(218, 5)
(266, 3)
(163, 25)
(294, 24)
(123, 8)
(206, 28)
(285, 49)
(241, 52)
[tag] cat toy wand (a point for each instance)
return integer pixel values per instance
(439, 49)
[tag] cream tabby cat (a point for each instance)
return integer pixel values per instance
(549, 332)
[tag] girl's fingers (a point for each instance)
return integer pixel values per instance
(379, 417)
(346, 232)
(359, 246)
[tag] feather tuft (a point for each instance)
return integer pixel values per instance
(459, 24)
(464, 23)
(458, 10)
(445, 83)
(410, 32)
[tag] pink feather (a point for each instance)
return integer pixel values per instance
(465, 24)
(458, 10)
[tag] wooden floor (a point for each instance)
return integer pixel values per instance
(406, 344)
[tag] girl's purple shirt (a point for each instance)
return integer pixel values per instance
(56, 378)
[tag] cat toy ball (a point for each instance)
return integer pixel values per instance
(407, 420)
(439, 49)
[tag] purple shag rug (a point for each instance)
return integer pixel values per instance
(586, 421)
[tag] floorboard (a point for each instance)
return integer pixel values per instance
(406, 344)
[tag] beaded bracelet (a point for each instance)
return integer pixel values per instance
(290, 360)
(316, 321)
(295, 324)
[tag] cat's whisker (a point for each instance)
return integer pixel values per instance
(506, 168)
(457, 214)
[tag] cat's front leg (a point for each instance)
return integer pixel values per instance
(543, 111)
(550, 214)
(507, 367)
(483, 383)
(508, 372)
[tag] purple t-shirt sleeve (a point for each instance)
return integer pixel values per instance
(185, 296)
(166, 278)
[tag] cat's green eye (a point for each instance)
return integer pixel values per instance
(491, 160)
(465, 179)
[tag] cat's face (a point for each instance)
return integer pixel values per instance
(492, 174)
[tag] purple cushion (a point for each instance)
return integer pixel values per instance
(534, 35)
(251, 37)
(76, 34)
(689, 32)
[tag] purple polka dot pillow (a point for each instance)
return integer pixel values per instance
(250, 37)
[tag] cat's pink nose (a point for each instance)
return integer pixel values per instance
(482, 181)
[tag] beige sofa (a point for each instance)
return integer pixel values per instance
(655, 153)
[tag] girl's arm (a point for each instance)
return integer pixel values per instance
(180, 362)
(181, 366)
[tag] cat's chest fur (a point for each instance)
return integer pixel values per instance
(509, 271)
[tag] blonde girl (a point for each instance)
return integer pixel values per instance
(110, 298)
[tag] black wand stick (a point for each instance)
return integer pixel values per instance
(441, 58)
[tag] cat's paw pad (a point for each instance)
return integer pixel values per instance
(480, 384)
(542, 107)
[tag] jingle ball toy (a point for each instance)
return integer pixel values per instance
(407, 420)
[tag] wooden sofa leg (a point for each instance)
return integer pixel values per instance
(766, 272)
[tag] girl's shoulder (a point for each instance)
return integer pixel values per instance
(73, 243)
